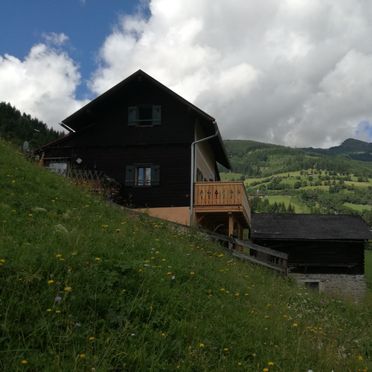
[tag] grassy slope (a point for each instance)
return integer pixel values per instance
(83, 285)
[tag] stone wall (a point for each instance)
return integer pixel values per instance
(338, 285)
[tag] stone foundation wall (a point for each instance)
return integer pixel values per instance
(338, 285)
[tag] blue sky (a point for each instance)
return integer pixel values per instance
(86, 23)
(293, 72)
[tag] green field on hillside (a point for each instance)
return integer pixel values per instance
(87, 286)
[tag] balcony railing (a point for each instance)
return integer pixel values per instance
(221, 196)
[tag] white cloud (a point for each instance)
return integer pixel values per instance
(296, 72)
(43, 84)
(55, 39)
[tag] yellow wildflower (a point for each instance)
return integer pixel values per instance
(49, 310)
(265, 369)
(201, 345)
(98, 259)
(294, 325)
(270, 364)
(68, 289)
(192, 273)
(24, 361)
(58, 255)
(50, 281)
(82, 356)
(91, 338)
(360, 357)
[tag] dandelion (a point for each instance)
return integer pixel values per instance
(192, 273)
(294, 325)
(24, 361)
(225, 349)
(270, 364)
(98, 259)
(265, 369)
(50, 282)
(91, 338)
(82, 356)
(201, 345)
(68, 289)
(49, 310)
(2, 261)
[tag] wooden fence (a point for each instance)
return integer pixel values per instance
(248, 251)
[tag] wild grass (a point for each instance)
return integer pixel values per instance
(85, 286)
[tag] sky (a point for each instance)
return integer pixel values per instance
(292, 72)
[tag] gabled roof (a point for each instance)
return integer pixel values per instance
(79, 119)
(309, 227)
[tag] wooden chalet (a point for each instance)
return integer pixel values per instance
(162, 150)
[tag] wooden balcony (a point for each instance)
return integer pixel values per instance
(222, 197)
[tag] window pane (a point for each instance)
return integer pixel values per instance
(148, 176)
(140, 176)
(145, 114)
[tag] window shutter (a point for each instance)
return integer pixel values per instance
(132, 115)
(129, 175)
(156, 115)
(155, 175)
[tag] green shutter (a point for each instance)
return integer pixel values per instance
(132, 115)
(129, 175)
(155, 175)
(156, 115)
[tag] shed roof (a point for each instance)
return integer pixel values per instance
(309, 227)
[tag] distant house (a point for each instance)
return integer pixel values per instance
(161, 149)
(325, 252)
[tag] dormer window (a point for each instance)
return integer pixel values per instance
(144, 115)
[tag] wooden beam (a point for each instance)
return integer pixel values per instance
(231, 224)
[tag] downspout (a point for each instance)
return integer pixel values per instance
(192, 178)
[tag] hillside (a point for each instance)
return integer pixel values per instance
(18, 128)
(86, 286)
(283, 179)
(352, 148)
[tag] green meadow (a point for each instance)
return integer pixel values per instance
(87, 286)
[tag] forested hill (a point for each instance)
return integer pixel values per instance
(18, 127)
(352, 148)
(256, 159)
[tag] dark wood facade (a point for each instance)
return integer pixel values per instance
(326, 244)
(105, 137)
